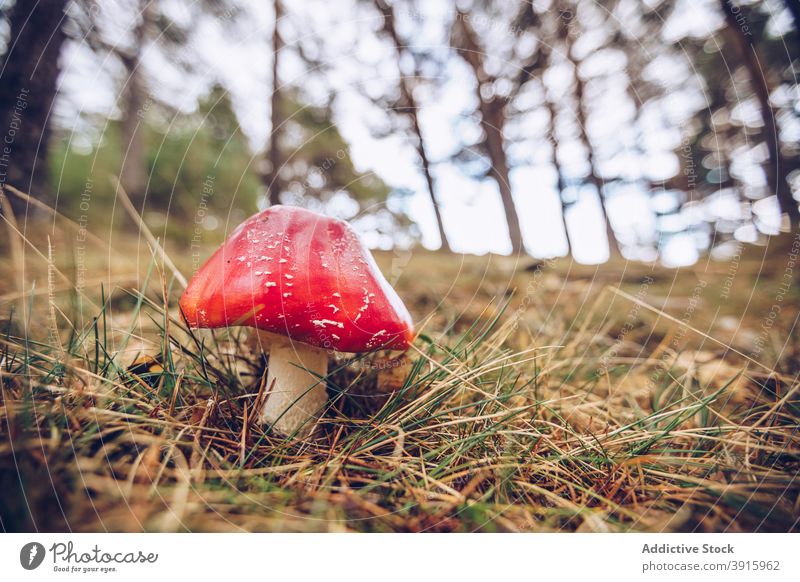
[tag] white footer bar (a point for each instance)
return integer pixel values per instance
(403, 557)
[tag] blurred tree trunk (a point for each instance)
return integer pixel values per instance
(29, 76)
(638, 90)
(551, 133)
(594, 178)
(564, 34)
(552, 110)
(274, 158)
(133, 173)
(411, 109)
(777, 168)
(493, 119)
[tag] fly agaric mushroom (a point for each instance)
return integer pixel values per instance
(308, 285)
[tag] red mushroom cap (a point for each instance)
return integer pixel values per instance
(303, 275)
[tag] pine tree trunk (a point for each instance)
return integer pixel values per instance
(413, 112)
(776, 169)
(133, 173)
(493, 120)
(551, 132)
(426, 170)
(272, 177)
(594, 178)
(29, 77)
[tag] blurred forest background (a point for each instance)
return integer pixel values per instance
(637, 128)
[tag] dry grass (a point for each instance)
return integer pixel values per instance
(552, 397)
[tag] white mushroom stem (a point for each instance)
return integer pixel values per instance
(295, 386)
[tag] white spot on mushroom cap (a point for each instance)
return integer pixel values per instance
(324, 322)
(374, 339)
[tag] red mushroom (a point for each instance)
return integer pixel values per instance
(308, 284)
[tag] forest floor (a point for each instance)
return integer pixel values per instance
(539, 396)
